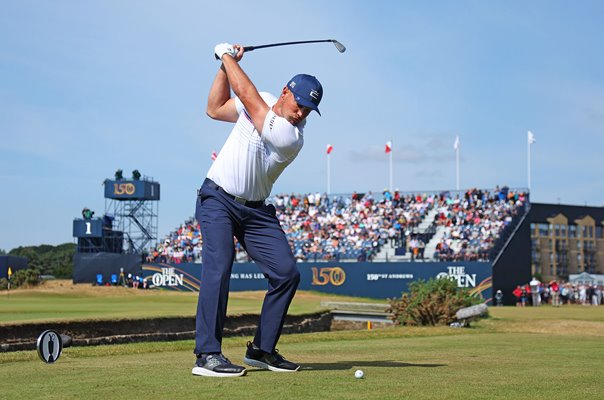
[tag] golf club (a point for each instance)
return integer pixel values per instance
(341, 48)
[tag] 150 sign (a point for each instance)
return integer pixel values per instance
(123, 188)
(328, 275)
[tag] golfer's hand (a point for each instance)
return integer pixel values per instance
(225, 48)
(239, 50)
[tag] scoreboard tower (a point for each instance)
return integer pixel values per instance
(130, 221)
(134, 205)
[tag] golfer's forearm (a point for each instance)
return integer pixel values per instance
(220, 93)
(239, 81)
(246, 91)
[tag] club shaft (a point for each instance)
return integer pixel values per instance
(250, 48)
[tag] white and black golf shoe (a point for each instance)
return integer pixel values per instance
(216, 365)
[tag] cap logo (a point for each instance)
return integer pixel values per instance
(314, 94)
(292, 84)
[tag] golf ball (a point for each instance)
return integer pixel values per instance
(358, 374)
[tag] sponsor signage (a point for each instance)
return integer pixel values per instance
(131, 190)
(374, 280)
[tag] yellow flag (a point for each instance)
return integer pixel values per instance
(10, 272)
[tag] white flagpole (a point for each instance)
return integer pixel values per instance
(328, 173)
(456, 147)
(391, 169)
(529, 161)
(457, 164)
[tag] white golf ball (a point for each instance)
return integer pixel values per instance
(359, 374)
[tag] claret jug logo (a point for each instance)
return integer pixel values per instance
(328, 275)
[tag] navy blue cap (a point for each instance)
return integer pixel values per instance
(307, 91)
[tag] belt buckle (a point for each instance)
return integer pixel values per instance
(240, 200)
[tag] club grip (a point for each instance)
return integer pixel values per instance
(246, 48)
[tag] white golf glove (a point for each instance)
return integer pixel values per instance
(224, 48)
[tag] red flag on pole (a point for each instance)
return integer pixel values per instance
(329, 149)
(388, 147)
(214, 155)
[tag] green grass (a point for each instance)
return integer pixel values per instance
(421, 363)
(536, 353)
(53, 307)
(64, 301)
(583, 313)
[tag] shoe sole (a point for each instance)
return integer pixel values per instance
(200, 371)
(260, 364)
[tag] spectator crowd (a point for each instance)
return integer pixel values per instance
(355, 227)
(474, 223)
(536, 293)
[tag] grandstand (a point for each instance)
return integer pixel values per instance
(440, 226)
(361, 244)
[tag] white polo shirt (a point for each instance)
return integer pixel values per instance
(249, 163)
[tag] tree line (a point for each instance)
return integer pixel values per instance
(49, 260)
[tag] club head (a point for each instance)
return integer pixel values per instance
(341, 48)
(67, 340)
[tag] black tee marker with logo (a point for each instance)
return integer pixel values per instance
(50, 346)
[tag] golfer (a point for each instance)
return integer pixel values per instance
(266, 138)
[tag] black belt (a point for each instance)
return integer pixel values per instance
(248, 203)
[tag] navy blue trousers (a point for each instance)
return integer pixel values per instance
(258, 230)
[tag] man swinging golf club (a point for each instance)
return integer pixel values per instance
(266, 137)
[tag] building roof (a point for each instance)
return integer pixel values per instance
(540, 212)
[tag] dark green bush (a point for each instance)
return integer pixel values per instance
(431, 302)
(25, 278)
(50, 260)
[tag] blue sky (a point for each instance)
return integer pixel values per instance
(89, 87)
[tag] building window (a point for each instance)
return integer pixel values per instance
(561, 245)
(598, 232)
(572, 231)
(562, 260)
(563, 270)
(543, 230)
(563, 230)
